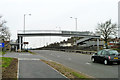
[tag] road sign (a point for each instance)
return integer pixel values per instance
(2, 45)
(26, 43)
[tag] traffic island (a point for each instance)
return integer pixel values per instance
(9, 68)
(68, 72)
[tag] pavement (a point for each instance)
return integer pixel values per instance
(36, 69)
(30, 66)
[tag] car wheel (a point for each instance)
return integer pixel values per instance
(92, 59)
(105, 62)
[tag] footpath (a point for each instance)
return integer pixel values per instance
(30, 66)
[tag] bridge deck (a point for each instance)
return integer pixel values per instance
(55, 34)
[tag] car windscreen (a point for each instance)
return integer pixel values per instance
(113, 52)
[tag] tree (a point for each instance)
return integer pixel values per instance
(4, 31)
(106, 30)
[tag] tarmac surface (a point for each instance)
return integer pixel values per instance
(36, 69)
(81, 63)
(76, 61)
(30, 67)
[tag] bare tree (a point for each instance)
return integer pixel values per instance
(4, 31)
(106, 30)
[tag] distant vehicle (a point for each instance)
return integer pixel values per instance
(106, 56)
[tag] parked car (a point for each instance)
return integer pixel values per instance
(106, 56)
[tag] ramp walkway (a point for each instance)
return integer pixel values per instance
(83, 40)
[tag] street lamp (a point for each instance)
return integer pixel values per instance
(24, 21)
(24, 27)
(75, 22)
(75, 28)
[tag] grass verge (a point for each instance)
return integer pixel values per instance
(31, 52)
(68, 72)
(0, 52)
(9, 68)
(3, 53)
(5, 61)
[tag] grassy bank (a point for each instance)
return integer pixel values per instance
(3, 53)
(5, 61)
(68, 72)
(9, 68)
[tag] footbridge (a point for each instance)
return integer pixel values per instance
(62, 33)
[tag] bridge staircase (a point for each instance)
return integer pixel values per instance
(81, 41)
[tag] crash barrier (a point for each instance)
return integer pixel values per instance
(76, 51)
(79, 51)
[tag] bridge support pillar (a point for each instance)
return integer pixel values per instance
(20, 41)
(97, 44)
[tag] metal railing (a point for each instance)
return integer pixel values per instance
(38, 31)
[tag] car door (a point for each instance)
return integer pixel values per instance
(98, 58)
(103, 55)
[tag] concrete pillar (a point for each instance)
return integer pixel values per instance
(20, 44)
(20, 41)
(97, 44)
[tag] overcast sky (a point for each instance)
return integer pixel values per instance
(52, 14)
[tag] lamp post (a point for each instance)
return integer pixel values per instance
(24, 21)
(24, 27)
(75, 23)
(59, 31)
(75, 28)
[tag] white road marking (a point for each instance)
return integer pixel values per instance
(28, 59)
(88, 63)
(25, 54)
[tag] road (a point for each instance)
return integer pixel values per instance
(81, 63)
